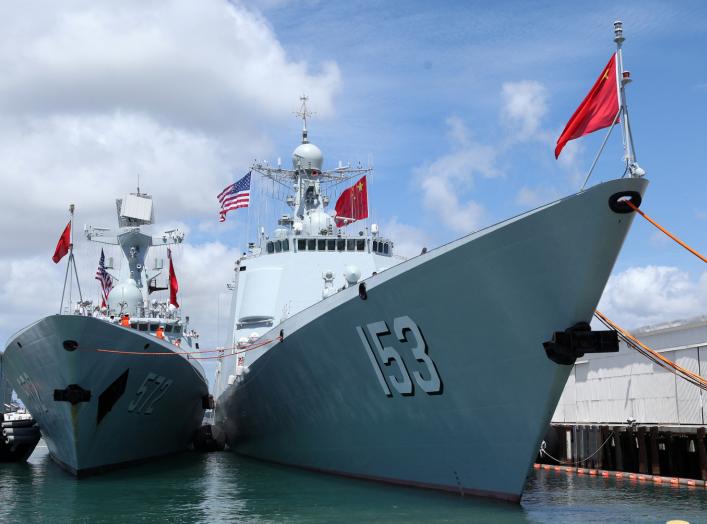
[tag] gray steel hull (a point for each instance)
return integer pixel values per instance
(140, 406)
(484, 304)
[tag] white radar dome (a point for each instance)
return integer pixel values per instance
(352, 274)
(125, 298)
(307, 156)
(317, 221)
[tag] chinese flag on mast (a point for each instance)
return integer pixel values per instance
(62, 247)
(597, 111)
(173, 284)
(352, 204)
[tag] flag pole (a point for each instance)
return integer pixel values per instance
(71, 262)
(68, 262)
(623, 79)
(601, 149)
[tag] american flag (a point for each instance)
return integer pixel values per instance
(234, 196)
(104, 278)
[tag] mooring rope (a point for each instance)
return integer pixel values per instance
(543, 452)
(189, 354)
(661, 228)
(651, 354)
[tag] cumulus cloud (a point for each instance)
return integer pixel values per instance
(440, 197)
(448, 179)
(90, 160)
(190, 64)
(92, 94)
(646, 295)
(29, 285)
(409, 240)
(524, 106)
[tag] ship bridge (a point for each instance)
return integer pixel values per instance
(308, 257)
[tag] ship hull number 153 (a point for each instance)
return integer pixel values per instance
(394, 371)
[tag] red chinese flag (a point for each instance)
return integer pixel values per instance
(352, 204)
(597, 111)
(173, 284)
(62, 247)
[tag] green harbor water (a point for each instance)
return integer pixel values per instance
(223, 487)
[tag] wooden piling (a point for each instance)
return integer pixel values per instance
(618, 452)
(701, 454)
(642, 451)
(655, 457)
(605, 460)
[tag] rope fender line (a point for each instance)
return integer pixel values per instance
(662, 229)
(188, 354)
(653, 355)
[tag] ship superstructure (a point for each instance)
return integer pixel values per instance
(100, 397)
(306, 259)
(441, 371)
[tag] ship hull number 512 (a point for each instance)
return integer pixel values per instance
(393, 371)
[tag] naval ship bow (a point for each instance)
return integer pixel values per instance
(441, 371)
(109, 384)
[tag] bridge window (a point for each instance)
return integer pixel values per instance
(142, 327)
(168, 328)
(385, 248)
(361, 244)
(301, 244)
(321, 244)
(278, 246)
(350, 244)
(375, 246)
(331, 244)
(311, 244)
(340, 244)
(286, 245)
(153, 327)
(270, 247)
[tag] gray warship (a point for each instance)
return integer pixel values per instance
(430, 372)
(140, 396)
(441, 371)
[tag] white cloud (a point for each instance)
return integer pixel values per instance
(448, 178)
(524, 106)
(29, 285)
(93, 94)
(91, 160)
(440, 197)
(409, 240)
(210, 64)
(647, 295)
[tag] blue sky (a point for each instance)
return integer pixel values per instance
(458, 104)
(405, 71)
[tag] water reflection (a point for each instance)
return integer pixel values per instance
(222, 487)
